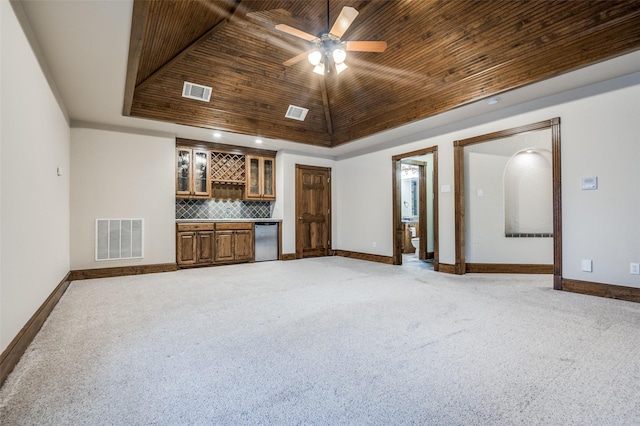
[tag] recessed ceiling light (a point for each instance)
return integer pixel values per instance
(493, 101)
(258, 141)
(217, 135)
(529, 151)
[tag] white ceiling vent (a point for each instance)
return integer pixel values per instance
(296, 112)
(196, 91)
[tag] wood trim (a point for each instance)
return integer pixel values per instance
(136, 40)
(396, 190)
(325, 104)
(546, 124)
(459, 209)
(611, 291)
(509, 268)
(12, 354)
(388, 260)
(288, 256)
(422, 210)
(460, 231)
(557, 203)
(445, 268)
(121, 271)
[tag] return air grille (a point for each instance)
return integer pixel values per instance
(296, 112)
(119, 239)
(196, 91)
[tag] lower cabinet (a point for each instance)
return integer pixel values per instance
(199, 244)
(234, 242)
(195, 244)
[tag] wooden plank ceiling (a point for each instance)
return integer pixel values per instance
(440, 55)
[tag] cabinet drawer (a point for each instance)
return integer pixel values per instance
(195, 227)
(233, 226)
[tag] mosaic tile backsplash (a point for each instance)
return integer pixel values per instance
(222, 209)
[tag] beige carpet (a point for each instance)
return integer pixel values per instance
(328, 341)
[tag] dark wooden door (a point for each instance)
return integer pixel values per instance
(243, 245)
(205, 246)
(224, 246)
(186, 248)
(313, 203)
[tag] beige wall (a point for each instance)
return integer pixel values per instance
(122, 175)
(34, 214)
(600, 134)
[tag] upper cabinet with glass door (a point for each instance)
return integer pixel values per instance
(261, 172)
(193, 177)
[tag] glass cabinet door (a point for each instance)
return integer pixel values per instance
(253, 177)
(183, 171)
(201, 173)
(268, 178)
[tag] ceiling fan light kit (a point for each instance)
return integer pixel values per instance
(330, 52)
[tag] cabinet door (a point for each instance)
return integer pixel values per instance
(243, 245)
(201, 173)
(253, 171)
(186, 250)
(224, 246)
(268, 178)
(205, 246)
(183, 171)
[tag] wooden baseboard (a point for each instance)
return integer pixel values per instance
(85, 274)
(12, 354)
(288, 256)
(365, 256)
(508, 268)
(631, 294)
(446, 268)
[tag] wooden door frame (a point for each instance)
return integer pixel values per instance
(298, 167)
(397, 199)
(459, 192)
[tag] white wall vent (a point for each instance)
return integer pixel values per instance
(196, 91)
(296, 112)
(119, 239)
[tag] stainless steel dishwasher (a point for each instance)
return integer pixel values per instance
(266, 241)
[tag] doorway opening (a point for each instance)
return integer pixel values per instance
(516, 215)
(415, 208)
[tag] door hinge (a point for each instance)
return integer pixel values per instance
(328, 180)
(329, 243)
(328, 211)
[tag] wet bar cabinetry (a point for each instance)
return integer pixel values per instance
(193, 176)
(225, 172)
(234, 242)
(204, 244)
(195, 244)
(261, 184)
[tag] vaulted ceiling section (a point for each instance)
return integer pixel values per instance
(440, 55)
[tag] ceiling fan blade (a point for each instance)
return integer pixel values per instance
(296, 59)
(346, 17)
(366, 46)
(295, 32)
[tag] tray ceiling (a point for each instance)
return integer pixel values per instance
(440, 55)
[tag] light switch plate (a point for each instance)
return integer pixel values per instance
(445, 188)
(587, 265)
(634, 268)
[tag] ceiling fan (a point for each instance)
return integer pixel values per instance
(329, 50)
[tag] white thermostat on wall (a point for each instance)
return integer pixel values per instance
(589, 183)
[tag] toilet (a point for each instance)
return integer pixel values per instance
(415, 241)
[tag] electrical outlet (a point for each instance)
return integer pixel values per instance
(587, 265)
(375, 244)
(634, 268)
